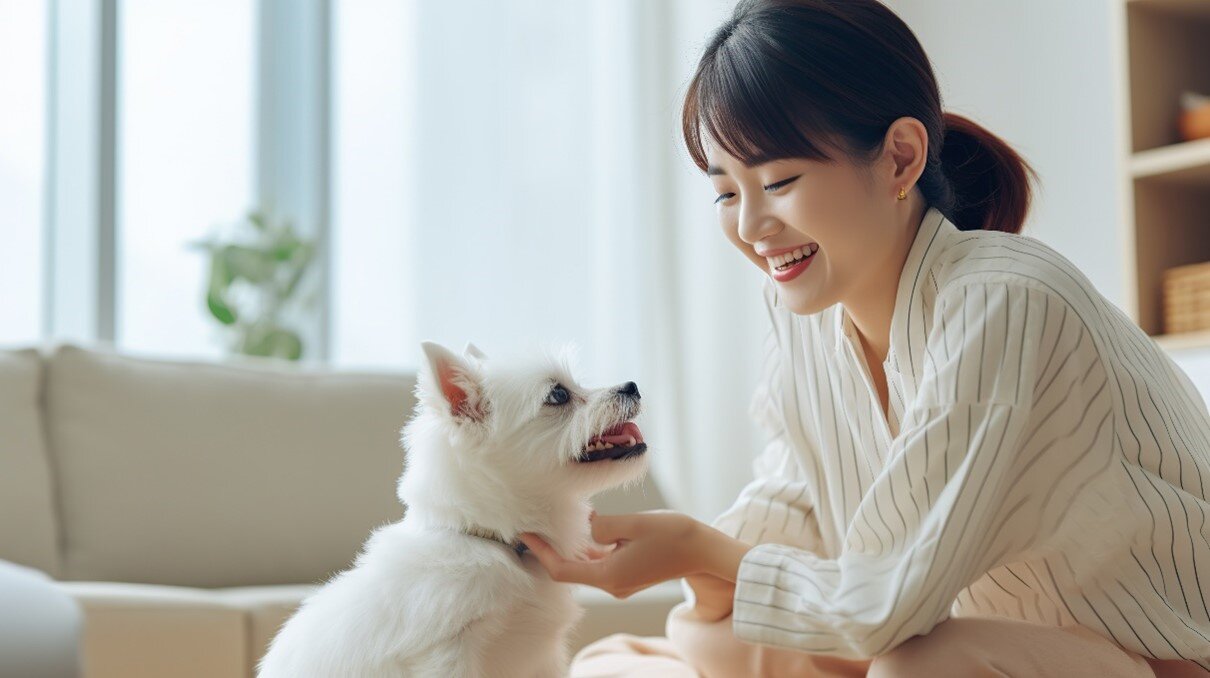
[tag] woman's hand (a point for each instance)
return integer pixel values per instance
(714, 598)
(643, 549)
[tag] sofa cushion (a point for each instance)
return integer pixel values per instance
(28, 520)
(195, 473)
(140, 631)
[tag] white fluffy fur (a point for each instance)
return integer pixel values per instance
(425, 599)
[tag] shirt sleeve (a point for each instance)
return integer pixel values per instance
(956, 495)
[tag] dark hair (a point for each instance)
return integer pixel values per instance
(790, 78)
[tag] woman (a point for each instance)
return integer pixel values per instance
(977, 465)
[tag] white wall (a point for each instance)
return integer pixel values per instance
(1040, 74)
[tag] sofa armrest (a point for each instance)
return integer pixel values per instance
(40, 626)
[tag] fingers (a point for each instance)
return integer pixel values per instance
(541, 550)
(559, 568)
(598, 552)
(610, 529)
(536, 543)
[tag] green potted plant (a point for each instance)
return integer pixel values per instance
(255, 276)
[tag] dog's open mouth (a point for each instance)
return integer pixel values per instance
(620, 441)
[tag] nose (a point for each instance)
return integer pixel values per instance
(629, 389)
(755, 223)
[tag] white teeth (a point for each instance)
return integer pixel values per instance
(629, 441)
(781, 260)
(609, 446)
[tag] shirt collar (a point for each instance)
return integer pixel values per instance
(934, 226)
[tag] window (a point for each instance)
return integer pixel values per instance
(186, 158)
(466, 181)
(373, 147)
(22, 169)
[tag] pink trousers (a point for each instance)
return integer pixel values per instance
(966, 646)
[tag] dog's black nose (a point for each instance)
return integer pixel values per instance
(630, 388)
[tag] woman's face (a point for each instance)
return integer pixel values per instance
(831, 208)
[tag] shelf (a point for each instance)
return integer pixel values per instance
(1183, 341)
(1187, 162)
(1167, 55)
(1166, 205)
(1188, 8)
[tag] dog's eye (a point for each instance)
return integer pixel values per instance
(558, 396)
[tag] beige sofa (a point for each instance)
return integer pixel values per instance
(188, 506)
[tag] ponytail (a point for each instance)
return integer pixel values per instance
(979, 181)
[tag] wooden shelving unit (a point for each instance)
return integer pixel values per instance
(1164, 50)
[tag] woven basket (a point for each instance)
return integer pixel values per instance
(1187, 298)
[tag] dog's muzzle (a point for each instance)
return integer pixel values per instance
(621, 441)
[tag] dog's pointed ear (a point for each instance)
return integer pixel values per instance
(473, 350)
(455, 381)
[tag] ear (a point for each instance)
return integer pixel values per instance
(473, 350)
(455, 381)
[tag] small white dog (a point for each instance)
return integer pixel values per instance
(493, 450)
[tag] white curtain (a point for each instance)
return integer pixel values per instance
(548, 196)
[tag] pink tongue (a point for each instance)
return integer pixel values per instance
(619, 434)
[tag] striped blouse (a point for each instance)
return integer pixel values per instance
(1042, 459)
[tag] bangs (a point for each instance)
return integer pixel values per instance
(749, 112)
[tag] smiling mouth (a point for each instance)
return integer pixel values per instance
(787, 261)
(621, 441)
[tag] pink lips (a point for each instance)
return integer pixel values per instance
(794, 271)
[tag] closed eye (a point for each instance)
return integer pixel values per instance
(770, 187)
(783, 182)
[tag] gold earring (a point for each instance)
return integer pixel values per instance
(901, 195)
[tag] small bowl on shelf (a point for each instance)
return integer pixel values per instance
(1194, 121)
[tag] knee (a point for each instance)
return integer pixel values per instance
(913, 657)
(611, 644)
(625, 654)
(925, 655)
